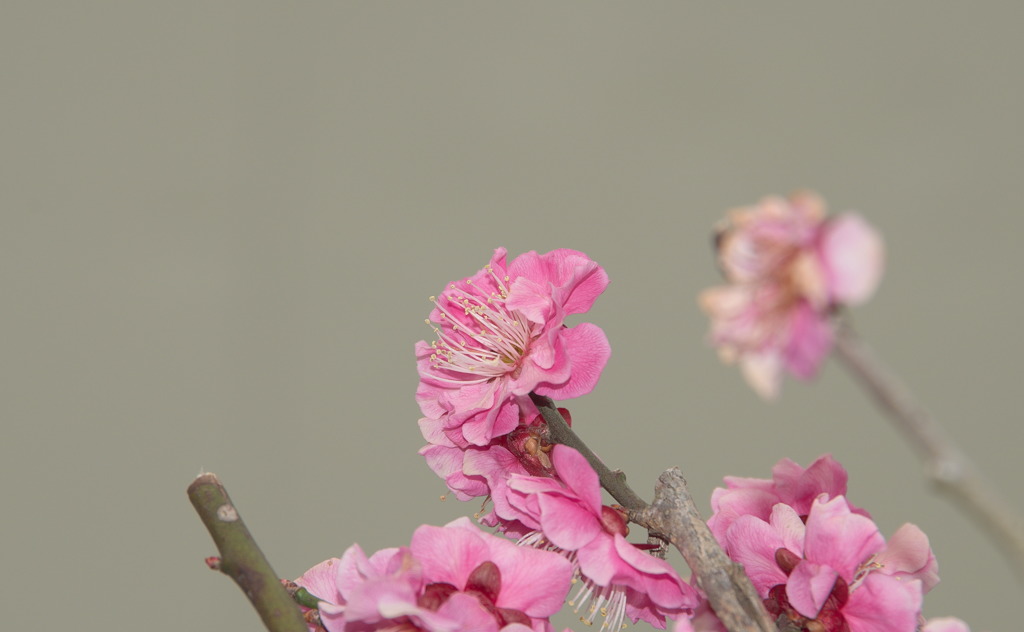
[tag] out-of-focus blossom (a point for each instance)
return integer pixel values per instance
(945, 624)
(790, 484)
(501, 335)
(617, 579)
(455, 578)
(835, 571)
(788, 268)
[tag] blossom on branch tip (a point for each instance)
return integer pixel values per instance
(788, 267)
(455, 578)
(617, 579)
(500, 335)
(834, 573)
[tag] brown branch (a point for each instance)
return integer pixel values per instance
(729, 590)
(947, 467)
(674, 517)
(240, 557)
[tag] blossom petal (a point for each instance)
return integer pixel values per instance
(945, 624)
(839, 538)
(587, 350)
(883, 604)
(809, 586)
(449, 554)
(574, 470)
(908, 555)
(854, 256)
(753, 542)
(566, 522)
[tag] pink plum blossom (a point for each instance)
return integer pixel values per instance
(501, 335)
(455, 578)
(790, 484)
(836, 572)
(788, 268)
(616, 577)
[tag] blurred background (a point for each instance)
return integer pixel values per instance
(220, 223)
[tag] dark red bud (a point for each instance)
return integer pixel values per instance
(486, 580)
(434, 595)
(787, 560)
(840, 592)
(613, 521)
(213, 562)
(506, 616)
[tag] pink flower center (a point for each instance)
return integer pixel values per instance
(479, 336)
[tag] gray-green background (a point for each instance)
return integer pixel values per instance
(221, 223)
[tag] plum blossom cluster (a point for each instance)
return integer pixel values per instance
(501, 337)
(819, 563)
(788, 268)
(455, 578)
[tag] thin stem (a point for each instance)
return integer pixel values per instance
(560, 432)
(240, 557)
(947, 466)
(674, 517)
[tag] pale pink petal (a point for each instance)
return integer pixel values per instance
(574, 470)
(789, 526)
(742, 482)
(854, 256)
(763, 372)
(809, 586)
(460, 613)
(448, 464)
(839, 538)
(599, 561)
(810, 340)
(531, 299)
(495, 465)
(499, 420)
(883, 604)
(657, 579)
(945, 624)
(376, 599)
(729, 504)
(682, 624)
(908, 555)
(320, 581)
(567, 523)
(753, 542)
(449, 554)
(587, 352)
(580, 278)
(534, 581)
(799, 487)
